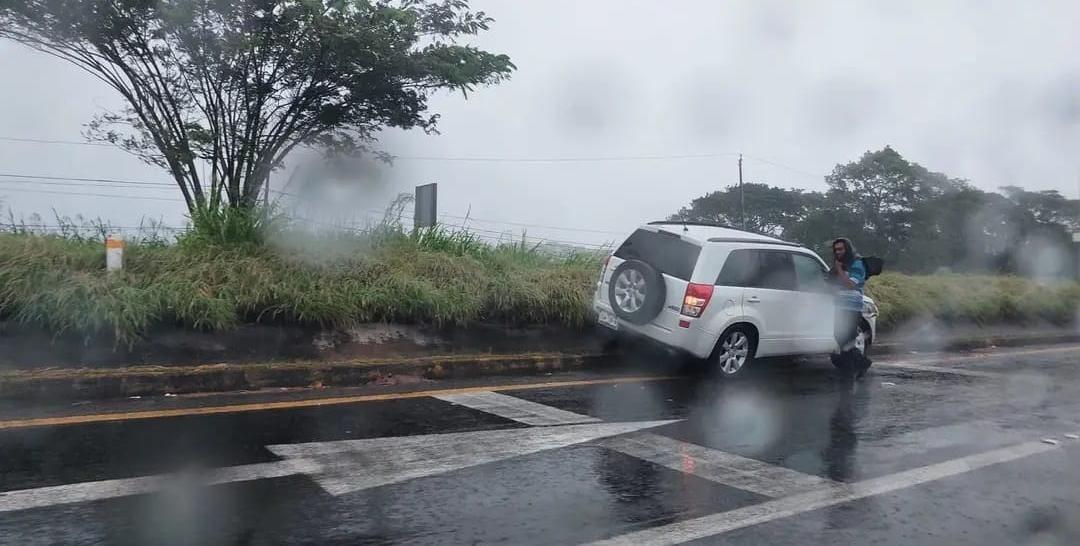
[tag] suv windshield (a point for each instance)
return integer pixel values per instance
(667, 252)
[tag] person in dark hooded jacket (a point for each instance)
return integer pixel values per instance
(849, 274)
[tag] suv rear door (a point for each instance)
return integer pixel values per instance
(768, 280)
(674, 257)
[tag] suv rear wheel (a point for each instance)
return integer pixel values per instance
(637, 291)
(735, 351)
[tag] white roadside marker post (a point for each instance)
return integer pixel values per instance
(114, 253)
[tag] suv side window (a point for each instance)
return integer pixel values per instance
(667, 252)
(740, 268)
(809, 273)
(776, 270)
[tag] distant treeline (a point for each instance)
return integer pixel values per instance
(919, 221)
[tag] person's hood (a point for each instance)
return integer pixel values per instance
(850, 255)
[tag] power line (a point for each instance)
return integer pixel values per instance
(44, 141)
(484, 221)
(501, 235)
(786, 167)
(109, 180)
(511, 236)
(481, 220)
(539, 226)
(491, 159)
(368, 212)
(452, 158)
(504, 237)
(148, 227)
(564, 159)
(83, 184)
(114, 196)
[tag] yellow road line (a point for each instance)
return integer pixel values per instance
(315, 402)
(998, 353)
(306, 403)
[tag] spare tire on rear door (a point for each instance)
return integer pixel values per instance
(637, 291)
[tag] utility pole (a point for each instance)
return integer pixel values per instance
(1076, 239)
(742, 197)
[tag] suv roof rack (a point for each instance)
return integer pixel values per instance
(774, 241)
(703, 224)
(754, 241)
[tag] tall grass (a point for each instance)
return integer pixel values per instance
(232, 269)
(209, 281)
(225, 225)
(973, 299)
(81, 229)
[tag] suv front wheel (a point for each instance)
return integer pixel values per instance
(735, 351)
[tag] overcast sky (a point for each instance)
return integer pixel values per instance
(983, 90)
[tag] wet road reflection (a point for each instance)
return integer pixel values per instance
(782, 433)
(852, 403)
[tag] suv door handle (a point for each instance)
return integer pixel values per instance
(753, 299)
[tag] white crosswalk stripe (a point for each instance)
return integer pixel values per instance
(715, 465)
(107, 489)
(343, 466)
(710, 464)
(516, 409)
(723, 522)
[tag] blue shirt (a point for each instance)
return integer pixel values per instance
(851, 298)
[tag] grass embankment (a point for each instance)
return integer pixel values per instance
(436, 277)
(974, 299)
(433, 277)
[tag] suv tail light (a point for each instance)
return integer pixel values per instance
(697, 297)
(603, 271)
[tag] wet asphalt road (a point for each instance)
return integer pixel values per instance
(944, 449)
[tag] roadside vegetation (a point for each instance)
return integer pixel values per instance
(973, 299)
(225, 271)
(436, 276)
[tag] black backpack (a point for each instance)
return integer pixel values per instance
(873, 265)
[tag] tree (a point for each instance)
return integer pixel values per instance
(822, 226)
(953, 230)
(239, 84)
(883, 190)
(769, 209)
(1048, 207)
(918, 220)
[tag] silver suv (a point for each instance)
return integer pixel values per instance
(722, 294)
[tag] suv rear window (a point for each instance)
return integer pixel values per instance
(777, 271)
(758, 268)
(667, 252)
(739, 269)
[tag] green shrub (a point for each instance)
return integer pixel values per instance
(975, 299)
(228, 226)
